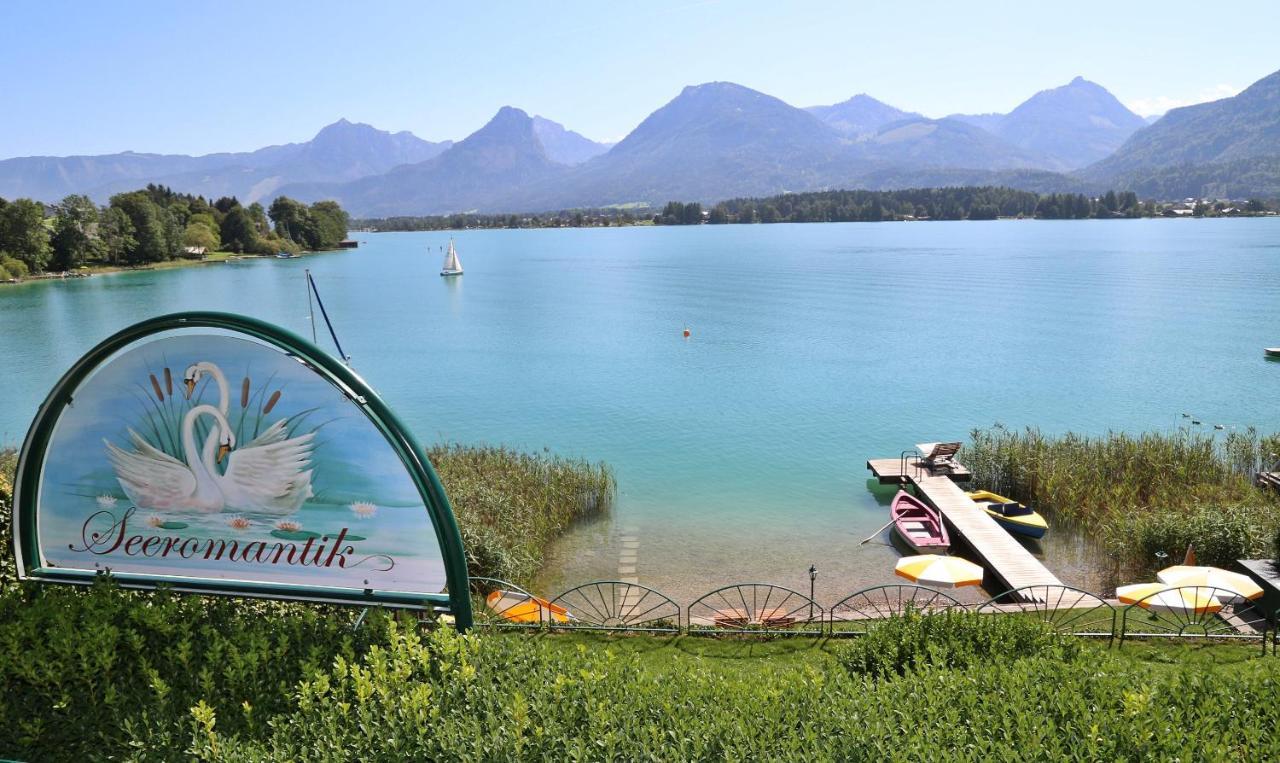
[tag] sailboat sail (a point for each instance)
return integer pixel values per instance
(452, 266)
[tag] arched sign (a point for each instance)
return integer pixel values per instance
(216, 453)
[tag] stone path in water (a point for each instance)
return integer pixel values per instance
(627, 567)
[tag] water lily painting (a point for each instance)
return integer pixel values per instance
(222, 457)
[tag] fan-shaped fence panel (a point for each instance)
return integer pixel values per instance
(858, 611)
(612, 605)
(1063, 608)
(755, 608)
(1195, 612)
(502, 604)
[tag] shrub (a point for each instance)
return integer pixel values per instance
(917, 641)
(92, 673)
(494, 697)
(13, 267)
(1159, 537)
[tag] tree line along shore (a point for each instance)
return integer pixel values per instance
(955, 203)
(154, 226)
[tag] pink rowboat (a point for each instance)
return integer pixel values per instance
(918, 525)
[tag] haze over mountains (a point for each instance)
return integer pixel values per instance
(720, 140)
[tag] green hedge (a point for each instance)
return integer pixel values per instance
(103, 672)
(445, 697)
(954, 639)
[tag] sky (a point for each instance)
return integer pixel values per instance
(166, 77)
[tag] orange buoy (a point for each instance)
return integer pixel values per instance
(686, 333)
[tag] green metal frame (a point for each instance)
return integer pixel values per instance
(31, 462)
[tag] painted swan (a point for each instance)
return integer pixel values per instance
(270, 474)
(155, 480)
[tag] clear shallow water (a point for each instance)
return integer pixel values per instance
(740, 451)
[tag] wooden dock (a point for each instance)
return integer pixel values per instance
(1004, 557)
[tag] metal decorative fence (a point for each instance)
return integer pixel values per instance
(1063, 608)
(858, 611)
(610, 605)
(1198, 612)
(1190, 612)
(755, 608)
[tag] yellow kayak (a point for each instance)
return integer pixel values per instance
(1015, 517)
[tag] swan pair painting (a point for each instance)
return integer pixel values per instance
(225, 439)
(268, 474)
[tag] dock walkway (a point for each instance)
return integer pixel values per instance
(1001, 554)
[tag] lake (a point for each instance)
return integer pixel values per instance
(740, 450)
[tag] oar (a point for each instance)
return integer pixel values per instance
(877, 532)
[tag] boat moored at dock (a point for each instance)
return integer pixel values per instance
(918, 525)
(1015, 517)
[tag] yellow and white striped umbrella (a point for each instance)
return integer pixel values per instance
(1159, 597)
(938, 571)
(1214, 577)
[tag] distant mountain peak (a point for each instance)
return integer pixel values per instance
(861, 116)
(564, 146)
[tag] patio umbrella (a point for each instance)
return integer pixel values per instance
(1211, 577)
(1159, 597)
(938, 571)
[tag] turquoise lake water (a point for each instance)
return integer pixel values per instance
(740, 451)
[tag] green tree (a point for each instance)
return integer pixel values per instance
(75, 233)
(291, 218)
(153, 234)
(330, 223)
(117, 232)
(23, 234)
(200, 235)
(239, 234)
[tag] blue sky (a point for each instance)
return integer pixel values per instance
(80, 77)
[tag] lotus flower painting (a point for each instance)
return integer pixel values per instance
(219, 456)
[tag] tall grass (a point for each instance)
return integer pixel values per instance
(8, 566)
(511, 505)
(1147, 496)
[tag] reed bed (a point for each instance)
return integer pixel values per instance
(1146, 496)
(511, 505)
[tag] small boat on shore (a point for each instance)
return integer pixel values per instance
(1015, 517)
(285, 255)
(519, 607)
(918, 525)
(452, 265)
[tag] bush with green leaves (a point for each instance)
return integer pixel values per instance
(511, 697)
(102, 672)
(954, 639)
(1159, 537)
(12, 267)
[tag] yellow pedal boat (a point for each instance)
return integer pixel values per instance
(1015, 517)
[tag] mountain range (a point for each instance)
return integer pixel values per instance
(720, 140)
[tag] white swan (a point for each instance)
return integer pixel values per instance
(270, 478)
(155, 480)
(191, 377)
(270, 473)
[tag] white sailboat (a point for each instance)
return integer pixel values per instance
(452, 265)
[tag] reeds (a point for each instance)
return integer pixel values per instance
(511, 505)
(1137, 493)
